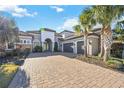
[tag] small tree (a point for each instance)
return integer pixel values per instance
(8, 30)
(37, 49)
(56, 47)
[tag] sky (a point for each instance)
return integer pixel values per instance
(34, 17)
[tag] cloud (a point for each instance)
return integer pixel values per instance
(58, 9)
(17, 11)
(69, 23)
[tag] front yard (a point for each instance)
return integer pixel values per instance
(9, 64)
(112, 63)
(7, 72)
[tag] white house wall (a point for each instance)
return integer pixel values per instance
(36, 39)
(93, 48)
(48, 35)
(25, 38)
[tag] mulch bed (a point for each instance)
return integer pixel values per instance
(99, 61)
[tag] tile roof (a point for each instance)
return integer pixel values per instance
(47, 29)
(66, 31)
(34, 31)
(21, 33)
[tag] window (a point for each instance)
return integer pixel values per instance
(28, 41)
(21, 41)
(10, 46)
(25, 41)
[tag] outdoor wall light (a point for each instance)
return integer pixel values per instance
(90, 41)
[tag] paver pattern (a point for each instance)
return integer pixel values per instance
(56, 70)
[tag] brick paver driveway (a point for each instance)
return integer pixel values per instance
(62, 70)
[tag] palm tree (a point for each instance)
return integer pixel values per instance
(77, 29)
(105, 15)
(86, 22)
(8, 30)
(119, 30)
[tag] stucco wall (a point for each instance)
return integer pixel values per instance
(48, 35)
(93, 45)
(24, 46)
(36, 39)
(25, 38)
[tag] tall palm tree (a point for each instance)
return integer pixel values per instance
(105, 15)
(86, 22)
(8, 30)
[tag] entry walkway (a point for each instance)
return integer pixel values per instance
(58, 70)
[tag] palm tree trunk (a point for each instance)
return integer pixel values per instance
(85, 45)
(106, 55)
(101, 47)
(102, 44)
(107, 42)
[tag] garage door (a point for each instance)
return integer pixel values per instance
(80, 49)
(68, 47)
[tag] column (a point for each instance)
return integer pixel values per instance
(6, 45)
(62, 47)
(14, 45)
(53, 46)
(75, 43)
(42, 44)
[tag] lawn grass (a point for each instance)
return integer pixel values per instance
(7, 71)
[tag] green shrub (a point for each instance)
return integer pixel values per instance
(56, 47)
(16, 52)
(116, 49)
(8, 54)
(7, 73)
(38, 49)
(27, 51)
(115, 62)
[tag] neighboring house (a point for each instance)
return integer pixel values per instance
(67, 41)
(25, 41)
(36, 38)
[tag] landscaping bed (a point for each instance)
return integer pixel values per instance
(7, 72)
(9, 65)
(112, 63)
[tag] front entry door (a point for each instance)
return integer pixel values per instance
(48, 45)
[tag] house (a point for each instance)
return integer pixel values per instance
(67, 41)
(25, 41)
